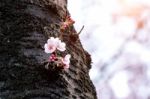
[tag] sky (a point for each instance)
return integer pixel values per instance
(117, 35)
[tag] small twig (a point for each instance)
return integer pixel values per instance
(81, 30)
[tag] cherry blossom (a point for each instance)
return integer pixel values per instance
(66, 61)
(54, 44)
(61, 46)
(51, 45)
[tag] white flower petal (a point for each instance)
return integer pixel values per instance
(46, 48)
(49, 48)
(52, 38)
(66, 59)
(61, 46)
(57, 39)
(68, 56)
(66, 66)
(51, 41)
(52, 49)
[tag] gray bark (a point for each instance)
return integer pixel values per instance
(25, 26)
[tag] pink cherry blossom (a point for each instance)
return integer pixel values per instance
(53, 44)
(49, 48)
(61, 46)
(66, 66)
(66, 61)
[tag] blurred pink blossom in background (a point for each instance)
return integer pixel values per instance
(117, 35)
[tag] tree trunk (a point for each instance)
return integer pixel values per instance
(25, 26)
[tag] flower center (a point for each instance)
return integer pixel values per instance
(50, 47)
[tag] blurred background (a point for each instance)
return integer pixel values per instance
(117, 35)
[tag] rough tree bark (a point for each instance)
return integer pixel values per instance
(25, 26)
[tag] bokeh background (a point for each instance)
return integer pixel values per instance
(117, 35)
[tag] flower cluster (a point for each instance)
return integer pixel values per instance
(53, 45)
